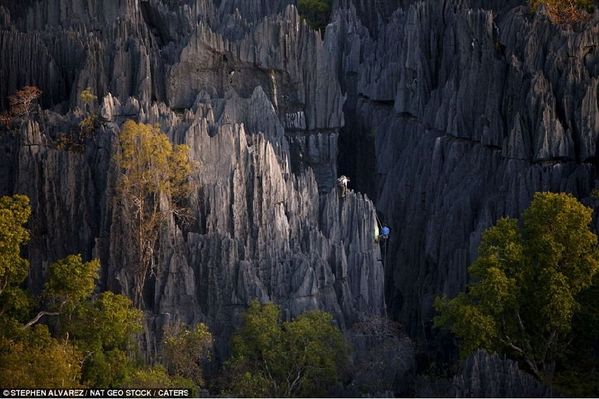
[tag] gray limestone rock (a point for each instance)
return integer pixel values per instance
(259, 230)
(485, 376)
(449, 114)
(470, 109)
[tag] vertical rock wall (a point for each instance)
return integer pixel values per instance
(472, 108)
(260, 106)
(452, 114)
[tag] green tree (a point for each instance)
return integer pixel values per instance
(303, 357)
(524, 285)
(101, 327)
(157, 378)
(14, 213)
(88, 97)
(29, 357)
(70, 282)
(88, 124)
(35, 359)
(15, 302)
(186, 349)
(151, 169)
(104, 330)
(92, 340)
(315, 12)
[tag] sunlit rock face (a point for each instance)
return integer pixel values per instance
(254, 93)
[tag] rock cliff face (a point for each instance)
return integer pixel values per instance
(448, 114)
(486, 376)
(470, 108)
(258, 102)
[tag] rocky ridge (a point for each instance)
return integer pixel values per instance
(263, 228)
(450, 115)
(469, 109)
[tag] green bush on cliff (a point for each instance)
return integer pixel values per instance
(315, 12)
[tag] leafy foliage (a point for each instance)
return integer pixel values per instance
(38, 360)
(150, 168)
(108, 322)
(87, 126)
(14, 213)
(91, 342)
(102, 327)
(316, 12)
(22, 100)
(564, 11)
(185, 349)
(20, 104)
(90, 122)
(87, 96)
(28, 357)
(71, 281)
(157, 378)
(526, 284)
(303, 357)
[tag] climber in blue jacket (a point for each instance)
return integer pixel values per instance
(382, 233)
(385, 232)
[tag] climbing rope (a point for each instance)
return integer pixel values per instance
(386, 252)
(378, 220)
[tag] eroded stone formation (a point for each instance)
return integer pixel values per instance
(253, 92)
(471, 108)
(449, 114)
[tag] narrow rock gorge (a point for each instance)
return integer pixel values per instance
(446, 115)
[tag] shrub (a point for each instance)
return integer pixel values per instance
(315, 12)
(564, 11)
(87, 96)
(20, 104)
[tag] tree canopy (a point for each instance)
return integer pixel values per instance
(87, 343)
(526, 284)
(79, 337)
(303, 357)
(87, 96)
(186, 349)
(28, 356)
(14, 213)
(151, 169)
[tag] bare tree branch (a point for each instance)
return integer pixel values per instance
(38, 317)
